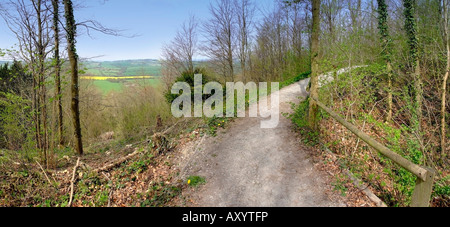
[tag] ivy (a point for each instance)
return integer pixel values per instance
(411, 28)
(384, 30)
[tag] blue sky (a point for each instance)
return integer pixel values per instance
(155, 21)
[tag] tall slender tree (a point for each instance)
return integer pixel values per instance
(355, 13)
(179, 54)
(221, 37)
(313, 108)
(42, 38)
(413, 42)
(387, 49)
(71, 29)
(57, 64)
(445, 18)
(245, 11)
(28, 20)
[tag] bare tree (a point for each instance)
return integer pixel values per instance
(178, 56)
(245, 11)
(29, 21)
(220, 37)
(354, 7)
(43, 40)
(297, 28)
(273, 43)
(330, 11)
(57, 65)
(266, 50)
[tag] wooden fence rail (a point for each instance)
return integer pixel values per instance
(425, 176)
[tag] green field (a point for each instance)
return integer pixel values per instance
(107, 86)
(118, 69)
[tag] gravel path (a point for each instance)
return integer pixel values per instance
(246, 166)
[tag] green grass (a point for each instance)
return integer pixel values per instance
(93, 71)
(295, 79)
(195, 181)
(146, 82)
(107, 86)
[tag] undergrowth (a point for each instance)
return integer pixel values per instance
(358, 97)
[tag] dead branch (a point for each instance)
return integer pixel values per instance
(160, 140)
(365, 189)
(111, 190)
(73, 181)
(116, 163)
(45, 174)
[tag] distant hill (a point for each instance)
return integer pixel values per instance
(144, 67)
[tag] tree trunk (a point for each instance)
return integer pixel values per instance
(413, 42)
(73, 58)
(443, 107)
(58, 95)
(444, 84)
(390, 95)
(313, 108)
(36, 118)
(386, 45)
(418, 87)
(230, 53)
(42, 88)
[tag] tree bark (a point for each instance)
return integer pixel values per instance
(313, 108)
(443, 108)
(444, 83)
(418, 87)
(73, 58)
(390, 95)
(40, 47)
(30, 26)
(386, 45)
(58, 95)
(413, 42)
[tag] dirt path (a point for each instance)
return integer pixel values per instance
(246, 166)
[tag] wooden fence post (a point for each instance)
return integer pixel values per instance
(422, 193)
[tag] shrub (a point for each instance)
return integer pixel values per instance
(16, 121)
(187, 77)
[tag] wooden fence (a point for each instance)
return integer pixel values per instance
(425, 176)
